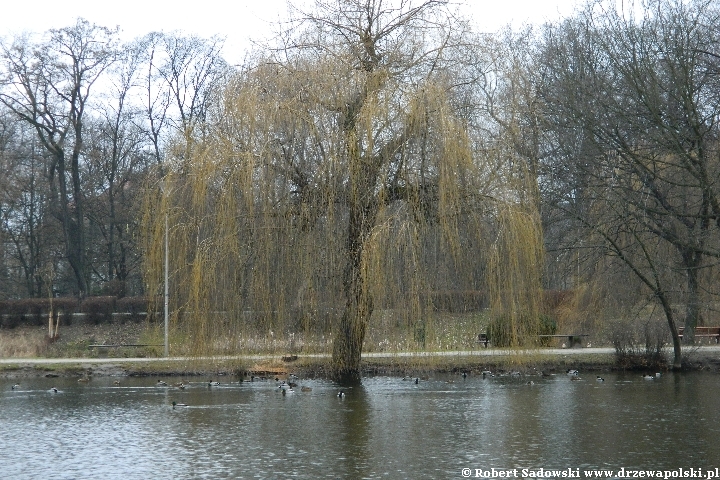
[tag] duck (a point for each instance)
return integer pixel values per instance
(417, 380)
(287, 391)
(84, 379)
(180, 385)
(16, 386)
(487, 373)
(649, 377)
(116, 382)
(213, 384)
(284, 385)
(175, 404)
(464, 375)
(530, 383)
(571, 371)
(575, 377)
(658, 375)
(341, 394)
(305, 389)
(160, 383)
(599, 378)
(53, 390)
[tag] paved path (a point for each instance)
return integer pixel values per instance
(464, 353)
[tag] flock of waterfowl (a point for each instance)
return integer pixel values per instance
(572, 373)
(285, 386)
(288, 385)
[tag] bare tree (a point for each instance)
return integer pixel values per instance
(155, 96)
(25, 223)
(635, 107)
(116, 162)
(181, 74)
(47, 84)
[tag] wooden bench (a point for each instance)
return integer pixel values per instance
(483, 338)
(711, 333)
(574, 339)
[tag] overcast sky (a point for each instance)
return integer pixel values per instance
(237, 20)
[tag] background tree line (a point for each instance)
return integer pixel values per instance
(85, 121)
(379, 152)
(631, 104)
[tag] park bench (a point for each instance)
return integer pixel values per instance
(573, 339)
(711, 333)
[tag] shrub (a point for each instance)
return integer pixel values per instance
(33, 311)
(547, 326)
(98, 309)
(8, 318)
(639, 345)
(137, 307)
(63, 308)
(500, 335)
(65, 304)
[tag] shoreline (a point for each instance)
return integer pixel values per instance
(317, 365)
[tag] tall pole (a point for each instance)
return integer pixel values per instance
(167, 292)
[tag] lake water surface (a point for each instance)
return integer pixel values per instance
(386, 428)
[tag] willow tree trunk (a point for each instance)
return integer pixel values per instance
(363, 209)
(347, 346)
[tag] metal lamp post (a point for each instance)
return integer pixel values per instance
(167, 291)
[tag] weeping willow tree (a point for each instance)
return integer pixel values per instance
(337, 176)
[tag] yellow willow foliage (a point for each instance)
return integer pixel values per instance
(516, 270)
(258, 217)
(393, 268)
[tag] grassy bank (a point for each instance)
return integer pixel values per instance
(266, 355)
(526, 363)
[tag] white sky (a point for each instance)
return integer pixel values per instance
(237, 20)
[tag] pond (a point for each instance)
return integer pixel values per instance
(386, 428)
